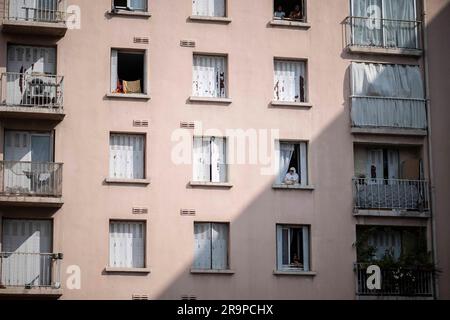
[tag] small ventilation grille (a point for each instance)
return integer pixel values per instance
(140, 123)
(187, 43)
(187, 125)
(140, 210)
(188, 297)
(140, 297)
(187, 212)
(141, 40)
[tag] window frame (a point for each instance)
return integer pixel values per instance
(210, 223)
(306, 253)
(114, 7)
(305, 13)
(144, 86)
(226, 69)
(304, 175)
(306, 78)
(225, 5)
(226, 165)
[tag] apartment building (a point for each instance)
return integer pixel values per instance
(97, 97)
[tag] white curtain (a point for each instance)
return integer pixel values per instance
(218, 160)
(126, 158)
(367, 32)
(114, 70)
(219, 244)
(289, 81)
(387, 96)
(386, 242)
(202, 246)
(201, 159)
(286, 152)
(209, 76)
(127, 245)
(210, 8)
(403, 32)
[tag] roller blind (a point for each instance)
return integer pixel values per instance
(127, 248)
(127, 156)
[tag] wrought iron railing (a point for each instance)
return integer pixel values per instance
(31, 178)
(383, 33)
(50, 11)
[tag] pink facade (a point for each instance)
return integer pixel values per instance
(151, 198)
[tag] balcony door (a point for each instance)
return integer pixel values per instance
(27, 157)
(26, 248)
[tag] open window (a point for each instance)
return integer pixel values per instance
(290, 10)
(293, 164)
(128, 72)
(130, 5)
(293, 248)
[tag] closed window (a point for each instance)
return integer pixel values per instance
(132, 5)
(209, 159)
(211, 246)
(293, 248)
(209, 8)
(126, 244)
(293, 163)
(289, 81)
(128, 72)
(126, 156)
(209, 76)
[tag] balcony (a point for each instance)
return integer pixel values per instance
(31, 184)
(30, 274)
(396, 283)
(47, 18)
(35, 96)
(383, 36)
(391, 197)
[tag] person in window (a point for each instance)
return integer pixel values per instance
(296, 14)
(296, 263)
(279, 14)
(291, 177)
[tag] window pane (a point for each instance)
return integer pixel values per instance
(209, 76)
(219, 244)
(285, 246)
(127, 156)
(211, 8)
(202, 246)
(127, 244)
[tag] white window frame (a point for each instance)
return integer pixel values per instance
(143, 225)
(305, 12)
(128, 7)
(143, 136)
(306, 233)
(225, 10)
(211, 176)
(218, 92)
(114, 61)
(303, 66)
(303, 147)
(212, 246)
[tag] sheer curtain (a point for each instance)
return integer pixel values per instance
(367, 31)
(286, 152)
(401, 33)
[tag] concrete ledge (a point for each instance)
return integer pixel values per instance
(21, 112)
(289, 23)
(397, 298)
(224, 20)
(210, 100)
(56, 29)
(136, 96)
(127, 270)
(129, 13)
(35, 292)
(391, 213)
(389, 131)
(217, 272)
(295, 273)
(127, 181)
(385, 51)
(305, 105)
(223, 185)
(292, 187)
(30, 201)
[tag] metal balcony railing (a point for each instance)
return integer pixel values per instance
(383, 33)
(30, 270)
(32, 90)
(391, 194)
(388, 112)
(412, 282)
(31, 178)
(49, 11)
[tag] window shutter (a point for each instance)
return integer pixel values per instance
(218, 161)
(303, 164)
(201, 159)
(202, 246)
(114, 75)
(219, 246)
(305, 249)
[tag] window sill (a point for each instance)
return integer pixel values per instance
(141, 96)
(127, 181)
(290, 23)
(137, 14)
(224, 20)
(208, 271)
(292, 187)
(210, 100)
(295, 273)
(224, 185)
(305, 105)
(127, 270)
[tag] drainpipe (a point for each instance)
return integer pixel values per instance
(430, 148)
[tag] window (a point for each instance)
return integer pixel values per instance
(126, 244)
(293, 165)
(209, 159)
(209, 76)
(293, 248)
(290, 9)
(209, 8)
(132, 5)
(211, 246)
(126, 156)
(289, 81)
(128, 72)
